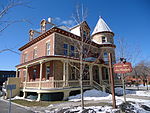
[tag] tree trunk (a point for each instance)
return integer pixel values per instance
(81, 75)
(123, 84)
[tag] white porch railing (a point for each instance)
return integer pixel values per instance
(55, 84)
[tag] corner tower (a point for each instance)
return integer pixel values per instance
(102, 34)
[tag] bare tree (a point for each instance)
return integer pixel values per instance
(83, 48)
(143, 70)
(5, 7)
(126, 52)
(79, 17)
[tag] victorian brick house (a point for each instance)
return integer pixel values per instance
(49, 59)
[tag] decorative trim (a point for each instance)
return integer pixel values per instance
(60, 31)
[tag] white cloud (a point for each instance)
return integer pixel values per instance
(68, 23)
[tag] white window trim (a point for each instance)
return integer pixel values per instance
(68, 49)
(105, 39)
(48, 42)
(35, 55)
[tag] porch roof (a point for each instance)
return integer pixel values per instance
(56, 57)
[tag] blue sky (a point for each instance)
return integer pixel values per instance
(127, 18)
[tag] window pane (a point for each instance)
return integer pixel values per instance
(47, 72)
(65, 52)
(105, 57)
(103, 39)
(35, 53)
(65, 49)
(72, 48)
(65, 46)
(48, 48)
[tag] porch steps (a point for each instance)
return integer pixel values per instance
(104, 87)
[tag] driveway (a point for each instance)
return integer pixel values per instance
(14, 109)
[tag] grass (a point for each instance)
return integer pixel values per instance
(35, 103)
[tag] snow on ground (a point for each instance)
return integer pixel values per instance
(96, 109)
(143, 93)
(143, 85)
(21, 98)
(91, 95)
(96, 95)
(119, 91)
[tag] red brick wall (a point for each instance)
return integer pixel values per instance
(41, 48)
(58, 70)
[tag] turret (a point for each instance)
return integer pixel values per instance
(102, 34)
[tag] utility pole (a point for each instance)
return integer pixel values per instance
(112, 80)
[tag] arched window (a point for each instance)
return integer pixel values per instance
(105, 56)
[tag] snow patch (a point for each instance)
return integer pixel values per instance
(119, 91)
(143, 93)
(21, 98)
(91, 95)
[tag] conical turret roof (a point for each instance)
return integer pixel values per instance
(101, 26)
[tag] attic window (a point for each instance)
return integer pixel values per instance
(104, 39)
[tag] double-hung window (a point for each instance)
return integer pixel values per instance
(105, 57)
(48, 48)
(47, 72)
(72, 51)
(25, 57)
(66, 52)
(24, 75)
(35, 53)
(34, 73)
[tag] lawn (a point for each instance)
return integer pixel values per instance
(35, 103)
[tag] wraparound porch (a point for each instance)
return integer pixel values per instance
(59, 73)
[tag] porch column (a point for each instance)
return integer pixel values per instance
(100, 74)
(25, 83)
(109, 81)
(91, 74)
(41, 70)
(39, 97)
(26, 77)
(67, 74)
(17, 73)
(64, 73)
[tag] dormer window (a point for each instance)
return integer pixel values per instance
(104, 39)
